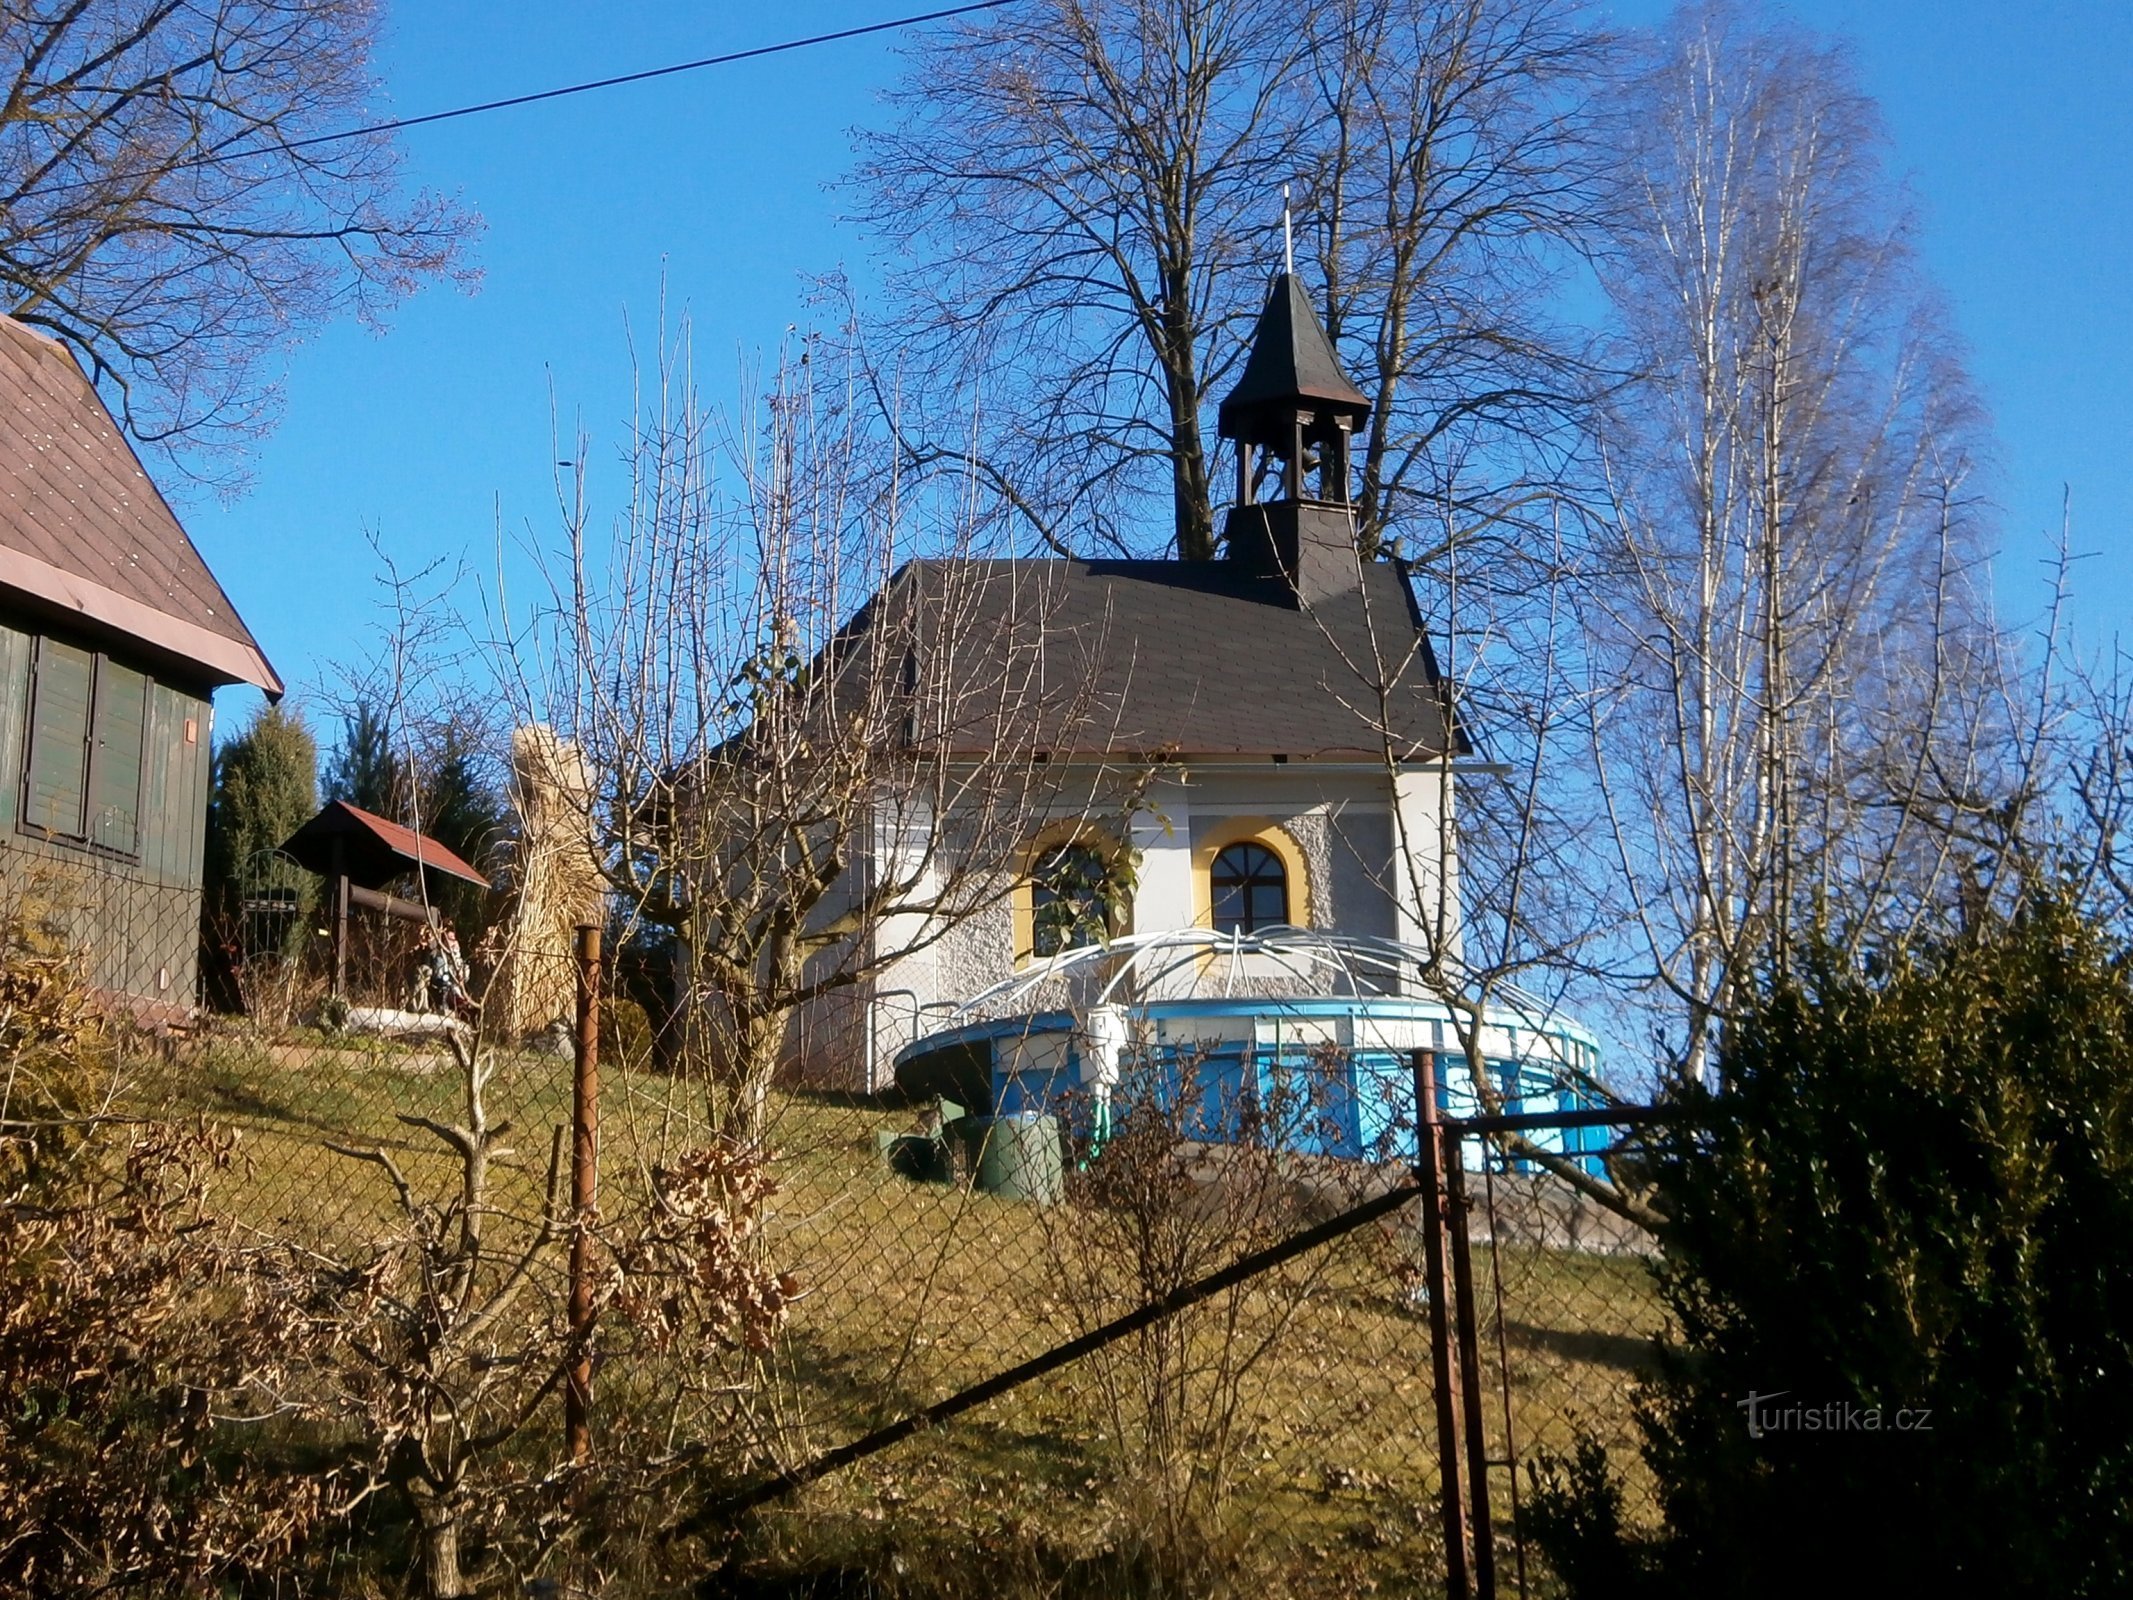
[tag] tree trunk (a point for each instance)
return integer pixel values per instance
(758, 1042)
(1191, 499)
(1189, 493)
(438, 1518)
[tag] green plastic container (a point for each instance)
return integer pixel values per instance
(1016, 1157)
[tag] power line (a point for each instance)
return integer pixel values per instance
(727, 59)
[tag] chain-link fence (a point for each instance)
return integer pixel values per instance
(1554, 1320)
(1156, 1346)
(1193, 1354)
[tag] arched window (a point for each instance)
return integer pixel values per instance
(1070, 899)
(1249, 889)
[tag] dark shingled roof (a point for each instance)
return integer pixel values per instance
(1184, 658)
(84, 534)
(1291, 361)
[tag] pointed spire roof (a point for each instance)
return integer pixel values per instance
(1291, 367)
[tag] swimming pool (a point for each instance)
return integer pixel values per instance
(1326, 1074)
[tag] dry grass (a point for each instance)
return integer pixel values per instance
(917, 1290)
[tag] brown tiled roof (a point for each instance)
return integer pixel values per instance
(374, 851)
(1186, 658)
(84, 532)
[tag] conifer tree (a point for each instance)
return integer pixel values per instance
(364, 771)
(463, 811)
(266, 787)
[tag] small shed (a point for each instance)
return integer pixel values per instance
(358, 852)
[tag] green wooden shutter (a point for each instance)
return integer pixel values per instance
(56, 775)
(115, 763)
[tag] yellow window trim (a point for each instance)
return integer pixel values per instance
(1250, 830)
(1073, 830)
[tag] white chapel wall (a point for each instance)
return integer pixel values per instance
(1427, 860)
(1340, 821)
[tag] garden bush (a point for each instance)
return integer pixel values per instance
(1905, 1225)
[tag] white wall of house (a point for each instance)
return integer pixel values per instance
(1341, 819)
(1427, 846)
(1162, 838)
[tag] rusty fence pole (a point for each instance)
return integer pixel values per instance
(1459, 1215)
(1451, 1469)
(337, 882)
(584, 1196)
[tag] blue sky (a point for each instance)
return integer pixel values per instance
(2014, 123)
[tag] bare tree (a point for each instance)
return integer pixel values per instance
(440, 1369)
(1085, 213)
(1084, 189)
(1506, 907)
(808, 739)
(168, 208)
(438, 1347)
(130, 1338)
(1790, 596)
(1454, 170)
(2064, 819)
(1167, 1200)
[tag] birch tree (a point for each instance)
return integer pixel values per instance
(1789, 593)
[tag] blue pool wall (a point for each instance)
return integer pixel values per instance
(1227, 1061)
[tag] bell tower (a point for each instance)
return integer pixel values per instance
(1293, 416)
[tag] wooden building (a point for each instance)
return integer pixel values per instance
(114, 637)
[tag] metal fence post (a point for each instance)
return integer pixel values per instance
(1459, 1217)
(1429, 1173)
(337, 886)
(584, 1196)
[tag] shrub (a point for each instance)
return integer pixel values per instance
(124, 1328)
(625, 1034)
(1907, 1223)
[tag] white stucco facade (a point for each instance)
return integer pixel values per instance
(1337, 827)
(1426, 848)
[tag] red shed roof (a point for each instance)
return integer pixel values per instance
(85, 533)
(373, 851)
